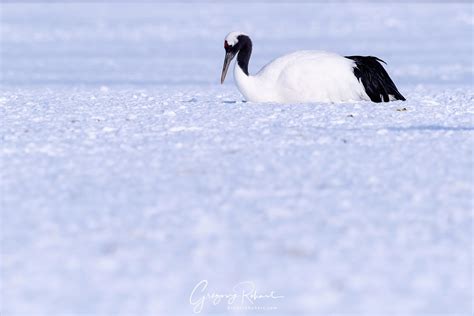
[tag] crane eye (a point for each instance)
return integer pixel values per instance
(226, 45)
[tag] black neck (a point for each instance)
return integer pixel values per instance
(244, 53)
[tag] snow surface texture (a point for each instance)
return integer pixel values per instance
(128, 174)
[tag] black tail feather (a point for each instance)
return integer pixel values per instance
(375, 79)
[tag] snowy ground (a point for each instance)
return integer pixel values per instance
(128, 174)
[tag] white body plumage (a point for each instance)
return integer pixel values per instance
(303, 76)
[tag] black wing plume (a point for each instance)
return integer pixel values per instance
(375, 79)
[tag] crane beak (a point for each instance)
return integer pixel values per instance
(228, 58)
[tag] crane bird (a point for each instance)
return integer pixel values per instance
(308, 76)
